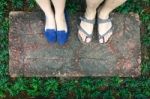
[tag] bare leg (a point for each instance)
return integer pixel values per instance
(46, 7)
(90, 13)
(105, 10)
(59, 6)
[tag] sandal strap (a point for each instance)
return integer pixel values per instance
(87, 34)
(100, 21)
(87, 20)
(110, 30)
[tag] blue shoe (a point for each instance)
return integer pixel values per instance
(50, 35)
(62, 36)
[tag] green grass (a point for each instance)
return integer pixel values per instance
(87, 87)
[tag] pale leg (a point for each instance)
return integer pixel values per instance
(47, 9)
(105, 10)
(59, 6)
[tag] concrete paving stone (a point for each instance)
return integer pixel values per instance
(31, 54)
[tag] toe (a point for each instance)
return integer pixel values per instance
(83, 36)
(88, 40)
(101, 40)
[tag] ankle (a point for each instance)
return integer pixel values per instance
(49, 16)
(90, 15)
(103, 15)
(60, 14)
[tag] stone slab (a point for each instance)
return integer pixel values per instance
(31, 55)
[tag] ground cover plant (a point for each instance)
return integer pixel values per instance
(87, 87)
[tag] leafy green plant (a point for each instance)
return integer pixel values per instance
(3, 86)
(31, 4)
(16, 87)
(34, 87)
(73, 8)
(50, 86)
(145, 67)
(17, 3)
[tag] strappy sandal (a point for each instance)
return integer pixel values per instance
(101, 21)
(88, 35)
